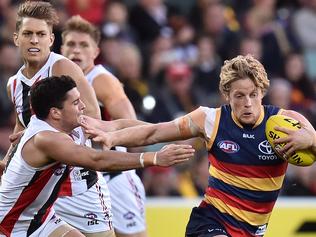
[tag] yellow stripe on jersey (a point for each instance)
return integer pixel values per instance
(255, 184)
(215, 129)
(240, 215)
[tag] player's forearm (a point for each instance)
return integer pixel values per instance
(134, 136)
(114, 125)
(126, 123)
(145, 135)
(118, 161)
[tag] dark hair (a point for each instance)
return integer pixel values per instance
(36, 9)
(48, 93)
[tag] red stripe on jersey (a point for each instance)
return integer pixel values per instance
(249, 171)
(242, 204)
(28, 195)
(14, 89)
(3, 231)
(65, 188)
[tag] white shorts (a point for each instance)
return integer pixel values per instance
(51, 223)
(128, 202)
(54, 222)
(89, 212)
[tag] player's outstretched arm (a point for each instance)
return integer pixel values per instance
(182, 128)
(304, 138)
(59, 146)
(87, 94)
(108, 126)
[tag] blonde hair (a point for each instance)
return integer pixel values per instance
(78, 24)
(242, 67)
(36, 9)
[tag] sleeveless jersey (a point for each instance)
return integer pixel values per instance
(245, 173)
(81, 179)
(96, 71)
(20, 87)
(126, 189)
(27, 193)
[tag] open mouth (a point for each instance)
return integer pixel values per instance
(247, 114)
(76, 60)
(33, 50)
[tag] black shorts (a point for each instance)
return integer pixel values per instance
(203, 224)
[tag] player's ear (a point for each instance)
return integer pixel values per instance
(97, 52)
(52, 38)
(226, 96)
(15, 39)
(55, 113)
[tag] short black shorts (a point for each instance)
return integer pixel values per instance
(203, 224)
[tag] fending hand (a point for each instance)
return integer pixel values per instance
(174, 154)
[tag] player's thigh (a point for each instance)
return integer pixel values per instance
(65, 231)
(139, 234)
(109, 233)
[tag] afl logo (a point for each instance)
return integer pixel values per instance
(228, 146)
(265, 148)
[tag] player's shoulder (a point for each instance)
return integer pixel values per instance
(47, 137)
(208, 111)
(11, 80)
(64, 66)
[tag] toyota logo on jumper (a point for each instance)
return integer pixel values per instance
(265, 148)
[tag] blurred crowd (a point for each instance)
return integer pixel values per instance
(168, 55)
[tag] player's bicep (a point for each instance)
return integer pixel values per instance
(192, 124)
(60, 147)
(110, 93)
(87, 94)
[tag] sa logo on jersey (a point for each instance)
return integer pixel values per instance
(228, 146)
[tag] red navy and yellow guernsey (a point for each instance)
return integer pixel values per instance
(245, 174)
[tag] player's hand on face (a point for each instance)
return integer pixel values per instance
(88, 122)
(296, 140)
(100, 136)
(173, 154)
